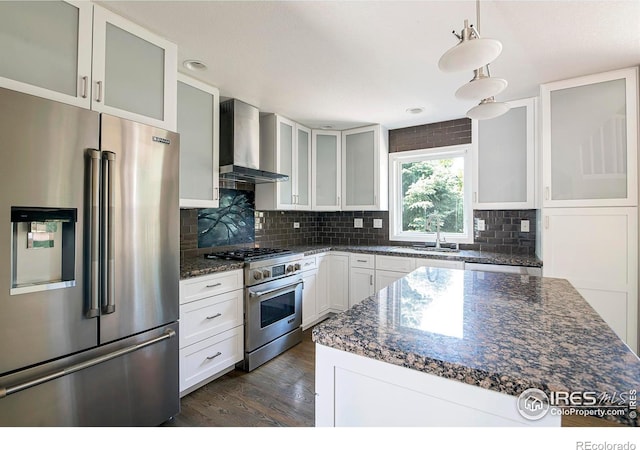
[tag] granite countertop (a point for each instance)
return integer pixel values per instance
(471, 256)
(197, 266)
(503, 332)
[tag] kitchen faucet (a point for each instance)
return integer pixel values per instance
(436, 218)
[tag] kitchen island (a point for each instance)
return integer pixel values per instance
(446, 347)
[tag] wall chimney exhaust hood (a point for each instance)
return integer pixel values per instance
(240, 145)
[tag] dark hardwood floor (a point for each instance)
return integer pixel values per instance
(279, 393)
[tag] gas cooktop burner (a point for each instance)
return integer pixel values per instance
(247, 254)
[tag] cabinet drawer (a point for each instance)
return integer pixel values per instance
(208, 285)
(210, 356)
(442, 263)
(395, 263)
(209, 316)
(361, 260)
(309, 263)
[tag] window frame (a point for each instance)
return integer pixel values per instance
(395, 191)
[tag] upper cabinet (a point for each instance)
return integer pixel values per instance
(46, 49)
(364, 169)
(589, 140)
(134, 71)
(285, 147)
(198, 125)
(326, 175)
(128, 72)
(504, 155)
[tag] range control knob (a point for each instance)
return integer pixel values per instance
(297, 266)
(290, 268)
(257, 275)
(266, 274)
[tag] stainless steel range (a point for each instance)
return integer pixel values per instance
(272, 302)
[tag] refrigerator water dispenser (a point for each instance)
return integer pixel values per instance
(43, 249)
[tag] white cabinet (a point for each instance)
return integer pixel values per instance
(338, 281)
(315, 298)
(391, 268)
(441, 263)
(326, 173)
(198, 125)
(285, 147)
(590, 139)
(309, 298)
(84, 55)
(46, 49)
(361, 277)
(322, 288)
(133, 72)
(604, 270)
(365, 169)
(211, 327)
(504, 154)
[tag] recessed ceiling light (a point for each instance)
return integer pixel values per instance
(193, 64)
(416, 110)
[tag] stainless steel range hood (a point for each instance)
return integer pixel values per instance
(240, 145)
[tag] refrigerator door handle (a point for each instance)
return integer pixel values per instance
(108, 243)
(4, 391)
(94, 233)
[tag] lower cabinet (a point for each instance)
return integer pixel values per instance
(211, 328)
(322, 284)
(605, 272)
(391, 268)
(338, 281)
(361, 277)
(441, 263)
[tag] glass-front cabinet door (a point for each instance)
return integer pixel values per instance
(303, 166)
(326, 157)
(285, 162)
(589, 138)
(504, 155)
(364, 169)
(198, 125)
(46, 49)
(134, 71)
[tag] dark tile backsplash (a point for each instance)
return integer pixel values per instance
(276, 228)
(441, 134)
(336, 228)
(502, 232)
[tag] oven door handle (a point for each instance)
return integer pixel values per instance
(271, 291)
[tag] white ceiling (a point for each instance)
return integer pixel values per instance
(347, 64)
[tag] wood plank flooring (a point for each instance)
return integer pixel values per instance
(279, 393)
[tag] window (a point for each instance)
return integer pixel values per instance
(430, 187)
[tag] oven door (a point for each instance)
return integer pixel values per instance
(273, 309)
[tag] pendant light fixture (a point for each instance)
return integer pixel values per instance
(487, 109)
(475, 53)
(481, 86)
(472, 51)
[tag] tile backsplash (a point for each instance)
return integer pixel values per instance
(276, 229)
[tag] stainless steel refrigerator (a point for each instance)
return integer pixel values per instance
(89, 267)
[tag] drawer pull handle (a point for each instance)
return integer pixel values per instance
(214, 356)
(308, 264)
(214, 285)
(214, 316)
(361, 260)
